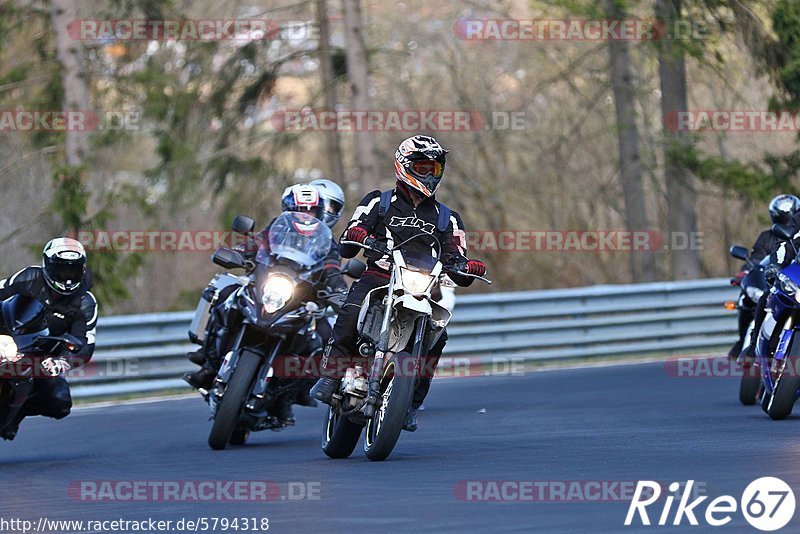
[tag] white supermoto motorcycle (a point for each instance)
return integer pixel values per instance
(397, 325)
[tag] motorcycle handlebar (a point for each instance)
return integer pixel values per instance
(370, 242)
(469, 275)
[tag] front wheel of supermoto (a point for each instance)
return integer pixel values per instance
(339, 435)
(230, 408)
(784, 394)
(396, 391)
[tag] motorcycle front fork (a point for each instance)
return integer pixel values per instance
(376, 373)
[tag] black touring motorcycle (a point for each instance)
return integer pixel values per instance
(271, 315)
(23, 319)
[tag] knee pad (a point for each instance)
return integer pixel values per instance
(60, 406)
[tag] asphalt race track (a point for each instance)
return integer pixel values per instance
(620, 423)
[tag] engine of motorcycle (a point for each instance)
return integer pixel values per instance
(355, 386)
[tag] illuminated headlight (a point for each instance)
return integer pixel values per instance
(415, 282)
(277, 292)
(754, 293)
(789, 286)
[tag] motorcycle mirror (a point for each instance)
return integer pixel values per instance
(739, 252)
(228, 259)
(782, 231)
(50, 343)
(354, 268)
(242, 224)
(72, 343)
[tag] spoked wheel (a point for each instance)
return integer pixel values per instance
(229, 411)
(784, 395)
(384, 428)
(339, 435)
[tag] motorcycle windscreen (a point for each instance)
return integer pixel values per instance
(419, 262)
(298, 237)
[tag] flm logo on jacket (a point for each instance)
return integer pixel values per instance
(413, 222)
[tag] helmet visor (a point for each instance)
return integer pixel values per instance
(314, 211)
(66, 273)
(333, 207)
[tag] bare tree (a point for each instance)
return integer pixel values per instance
(358, 78)
(681, 215)
(332, 145)
(76, 90)
(630, 165)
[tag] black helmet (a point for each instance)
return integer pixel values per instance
(783, 207)
(63, 264)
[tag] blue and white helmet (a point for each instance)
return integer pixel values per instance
(332, 198)
(64, 264)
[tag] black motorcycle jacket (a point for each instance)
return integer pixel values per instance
(74, 314)
(765, 244)
(402, 221)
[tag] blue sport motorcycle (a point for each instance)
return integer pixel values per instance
(778, 344)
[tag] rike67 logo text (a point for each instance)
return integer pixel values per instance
(767, 503)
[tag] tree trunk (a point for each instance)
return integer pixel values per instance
(630, 165)
(332, 146)
(73, 76)
(358, 78)
(681, 216)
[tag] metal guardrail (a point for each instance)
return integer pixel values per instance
(146, 353)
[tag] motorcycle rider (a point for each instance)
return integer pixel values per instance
(419, 169)
(784, 209)
(61, 284)
(781, 210)
(297, 198)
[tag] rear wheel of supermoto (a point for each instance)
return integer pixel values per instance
(339, 435)
(750, 385)
(230, 408)
(784, 394)
(396, 392)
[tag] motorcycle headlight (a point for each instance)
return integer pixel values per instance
(277, 291)
(753, 293)
(415, 282)
(789, 286)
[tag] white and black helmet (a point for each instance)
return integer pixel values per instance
(783, 207)
(64, 264)
(419, 163)
(333, 199)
